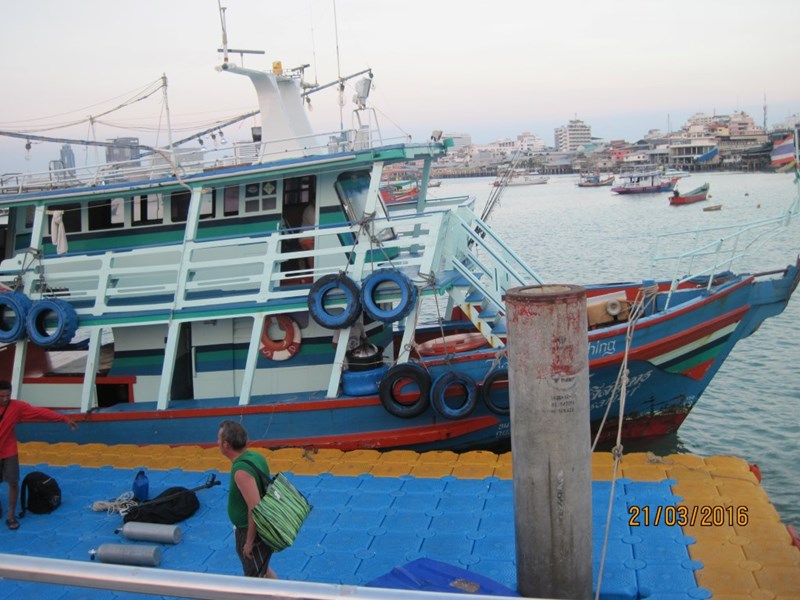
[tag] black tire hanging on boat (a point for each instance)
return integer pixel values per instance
(408, 295)
(19, 304)
(486, 392)
(65, 319)
(316, 301)
(387, 390)
(439, 394)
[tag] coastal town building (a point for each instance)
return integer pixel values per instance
(573, 136)
(703, 142)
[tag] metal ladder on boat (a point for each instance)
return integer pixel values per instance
(484, 273)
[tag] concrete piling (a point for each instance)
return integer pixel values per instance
(548, 366)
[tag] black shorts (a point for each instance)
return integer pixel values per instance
(257, 567)
(9, 469)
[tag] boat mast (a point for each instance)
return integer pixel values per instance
(173, 158)
(224, 32)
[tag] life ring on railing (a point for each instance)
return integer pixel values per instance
(12, 326)
(444, 382)
(397, 392)
(51, 323)
(281, 349)
(316, 301)
(486, 392)
(408, 295)
(451, 344)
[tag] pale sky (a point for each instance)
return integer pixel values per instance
(492, 69)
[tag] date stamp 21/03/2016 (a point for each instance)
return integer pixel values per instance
(702, 516)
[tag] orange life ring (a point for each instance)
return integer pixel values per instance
(450, 344)
(281, 349)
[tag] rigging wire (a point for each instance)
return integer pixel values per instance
(145, 93)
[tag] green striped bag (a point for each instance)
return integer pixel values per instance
(281, 512)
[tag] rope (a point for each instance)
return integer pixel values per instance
(620, 385)
(121, 505)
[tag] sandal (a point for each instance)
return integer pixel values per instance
(12, 523)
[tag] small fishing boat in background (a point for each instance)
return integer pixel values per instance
(527, 179)
(696, 195)
(595, 180)
(712, 207)
(645, 182)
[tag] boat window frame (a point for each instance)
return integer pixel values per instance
(113, 221)
(136, 199)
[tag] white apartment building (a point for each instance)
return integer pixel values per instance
(571, 137)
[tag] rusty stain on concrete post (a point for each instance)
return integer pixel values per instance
(548, 368)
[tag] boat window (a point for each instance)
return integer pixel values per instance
(299, 190)
(353, 188)
(231, 201)
(106, 214)
(71, 218)
(30, 213)
(207, 203)
(179, 206)
(147, 210)
(260, 196)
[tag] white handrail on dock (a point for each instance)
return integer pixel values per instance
(188, 584)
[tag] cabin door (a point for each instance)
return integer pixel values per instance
(183, 376)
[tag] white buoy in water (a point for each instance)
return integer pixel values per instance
(151, 532)
(128, 554)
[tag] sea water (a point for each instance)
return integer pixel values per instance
(575, 235)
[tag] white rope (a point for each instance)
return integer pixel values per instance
(121, 505)
(644, 296)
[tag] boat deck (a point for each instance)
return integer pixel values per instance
(374, 511)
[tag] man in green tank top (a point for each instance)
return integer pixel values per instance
(243, 495)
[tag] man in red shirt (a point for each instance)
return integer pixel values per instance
(11, 413)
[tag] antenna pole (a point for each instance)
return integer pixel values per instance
(339, 69)
(224, 31)
(169, 122)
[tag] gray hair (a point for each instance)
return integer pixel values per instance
(233, 433)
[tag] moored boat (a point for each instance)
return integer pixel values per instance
(698, 194)
(644, 182)
(595, 180)
(280, 291)
(520, 179)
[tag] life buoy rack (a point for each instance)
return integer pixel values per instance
(439, 399)
(486, 392)
(397, 394)
(316, 301)
(408, 295)
(14, 308)
(51, 323)
(452, 344)
(281, 349)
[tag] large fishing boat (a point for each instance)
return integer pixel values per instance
(151, 299)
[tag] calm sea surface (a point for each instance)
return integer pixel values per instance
(591, 235)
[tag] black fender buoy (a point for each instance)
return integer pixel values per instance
(397, 392)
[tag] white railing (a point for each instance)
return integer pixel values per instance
(165, 163)
(717, 249)
(237, 269)
(492, 266)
